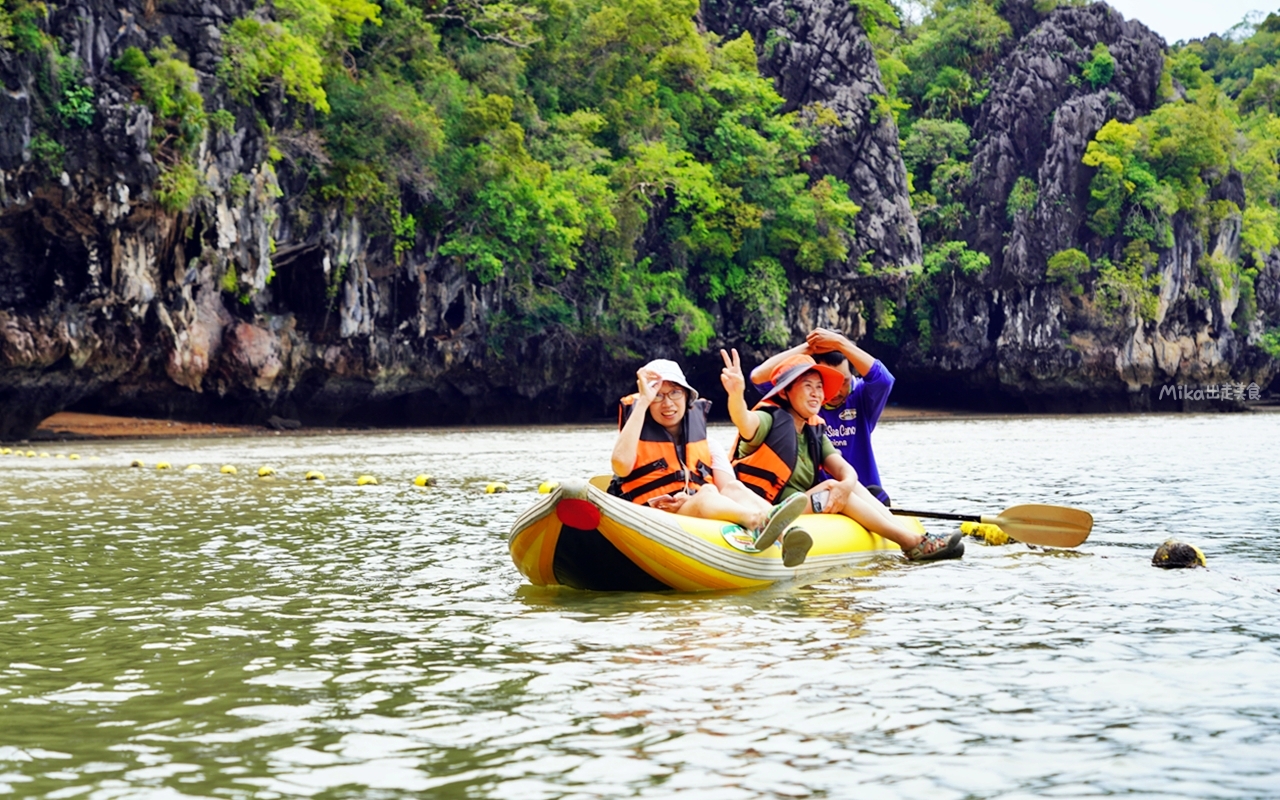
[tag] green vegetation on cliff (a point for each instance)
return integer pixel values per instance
(1215, 126)
(63, 100)
(936, 72)
(1217, 120)
(611, 165)
(615, 169)
(170, 88)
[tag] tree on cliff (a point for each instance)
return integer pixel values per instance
(575, 150)
(314, 202)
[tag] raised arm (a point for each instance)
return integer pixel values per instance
(822, 340)
(624, 449)
(736, 385)
(761, 373)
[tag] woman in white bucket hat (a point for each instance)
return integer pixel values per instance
(663, 457)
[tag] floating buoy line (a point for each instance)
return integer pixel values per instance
(264, 472)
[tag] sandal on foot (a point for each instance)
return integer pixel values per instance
(795, 547)
(780, 516)
(935, 547)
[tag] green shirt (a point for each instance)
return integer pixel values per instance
(802, 474)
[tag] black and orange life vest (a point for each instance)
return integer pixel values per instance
(767, 470)
(663, 466)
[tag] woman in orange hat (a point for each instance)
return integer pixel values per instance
(663, 458)
(782, 442)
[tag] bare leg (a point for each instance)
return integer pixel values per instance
(872, 515)
(876, 506)
(738, 492)
(708, 503)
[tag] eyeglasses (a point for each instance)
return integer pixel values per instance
(675, 395)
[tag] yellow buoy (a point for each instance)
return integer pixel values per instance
(73, 457)
(313, 475)
(31, 454)
(547, 487)
(136, 463)
(495, 488)
(59, 455)
(424, 480)
(4, 451)
(988, 533)
(228, 469)
(194, 468)
(44, 455)
(162, 465)
(265, 472)
(366, 480)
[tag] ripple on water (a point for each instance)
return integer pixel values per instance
(195, 633)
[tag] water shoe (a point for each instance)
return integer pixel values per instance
(935, 547)
(780, 516)
(795, 547)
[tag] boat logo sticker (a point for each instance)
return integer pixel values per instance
(738, 539)
(848, 414)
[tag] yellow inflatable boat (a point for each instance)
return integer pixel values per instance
(579, 536)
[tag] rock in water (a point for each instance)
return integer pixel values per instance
(276, 423)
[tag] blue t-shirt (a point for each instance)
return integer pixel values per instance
(850, 426)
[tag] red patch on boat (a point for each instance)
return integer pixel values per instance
(579, 514)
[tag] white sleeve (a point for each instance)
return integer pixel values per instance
(719, 457)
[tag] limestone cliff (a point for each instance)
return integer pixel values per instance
(817, 54)
(250, 302)
(1013, 332)
(110, 302)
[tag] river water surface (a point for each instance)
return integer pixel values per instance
(171, 634)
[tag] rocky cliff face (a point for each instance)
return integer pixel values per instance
(110, 302)
(94, 280)
(816, 53)
(1014, 332)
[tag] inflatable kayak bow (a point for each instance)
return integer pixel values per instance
(581, 537)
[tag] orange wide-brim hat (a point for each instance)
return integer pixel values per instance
(793, 367)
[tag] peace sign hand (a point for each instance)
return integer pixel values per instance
(731, 376)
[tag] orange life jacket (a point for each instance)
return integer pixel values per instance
(662, 466)
(767, 470)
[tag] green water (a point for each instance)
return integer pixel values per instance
(196, 634)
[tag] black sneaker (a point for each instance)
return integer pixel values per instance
(935, 547)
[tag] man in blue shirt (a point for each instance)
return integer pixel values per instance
(852, 415)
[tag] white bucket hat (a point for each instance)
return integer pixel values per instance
(669, 370)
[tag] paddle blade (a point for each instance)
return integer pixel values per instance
(1051, 526)
(601, 482)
